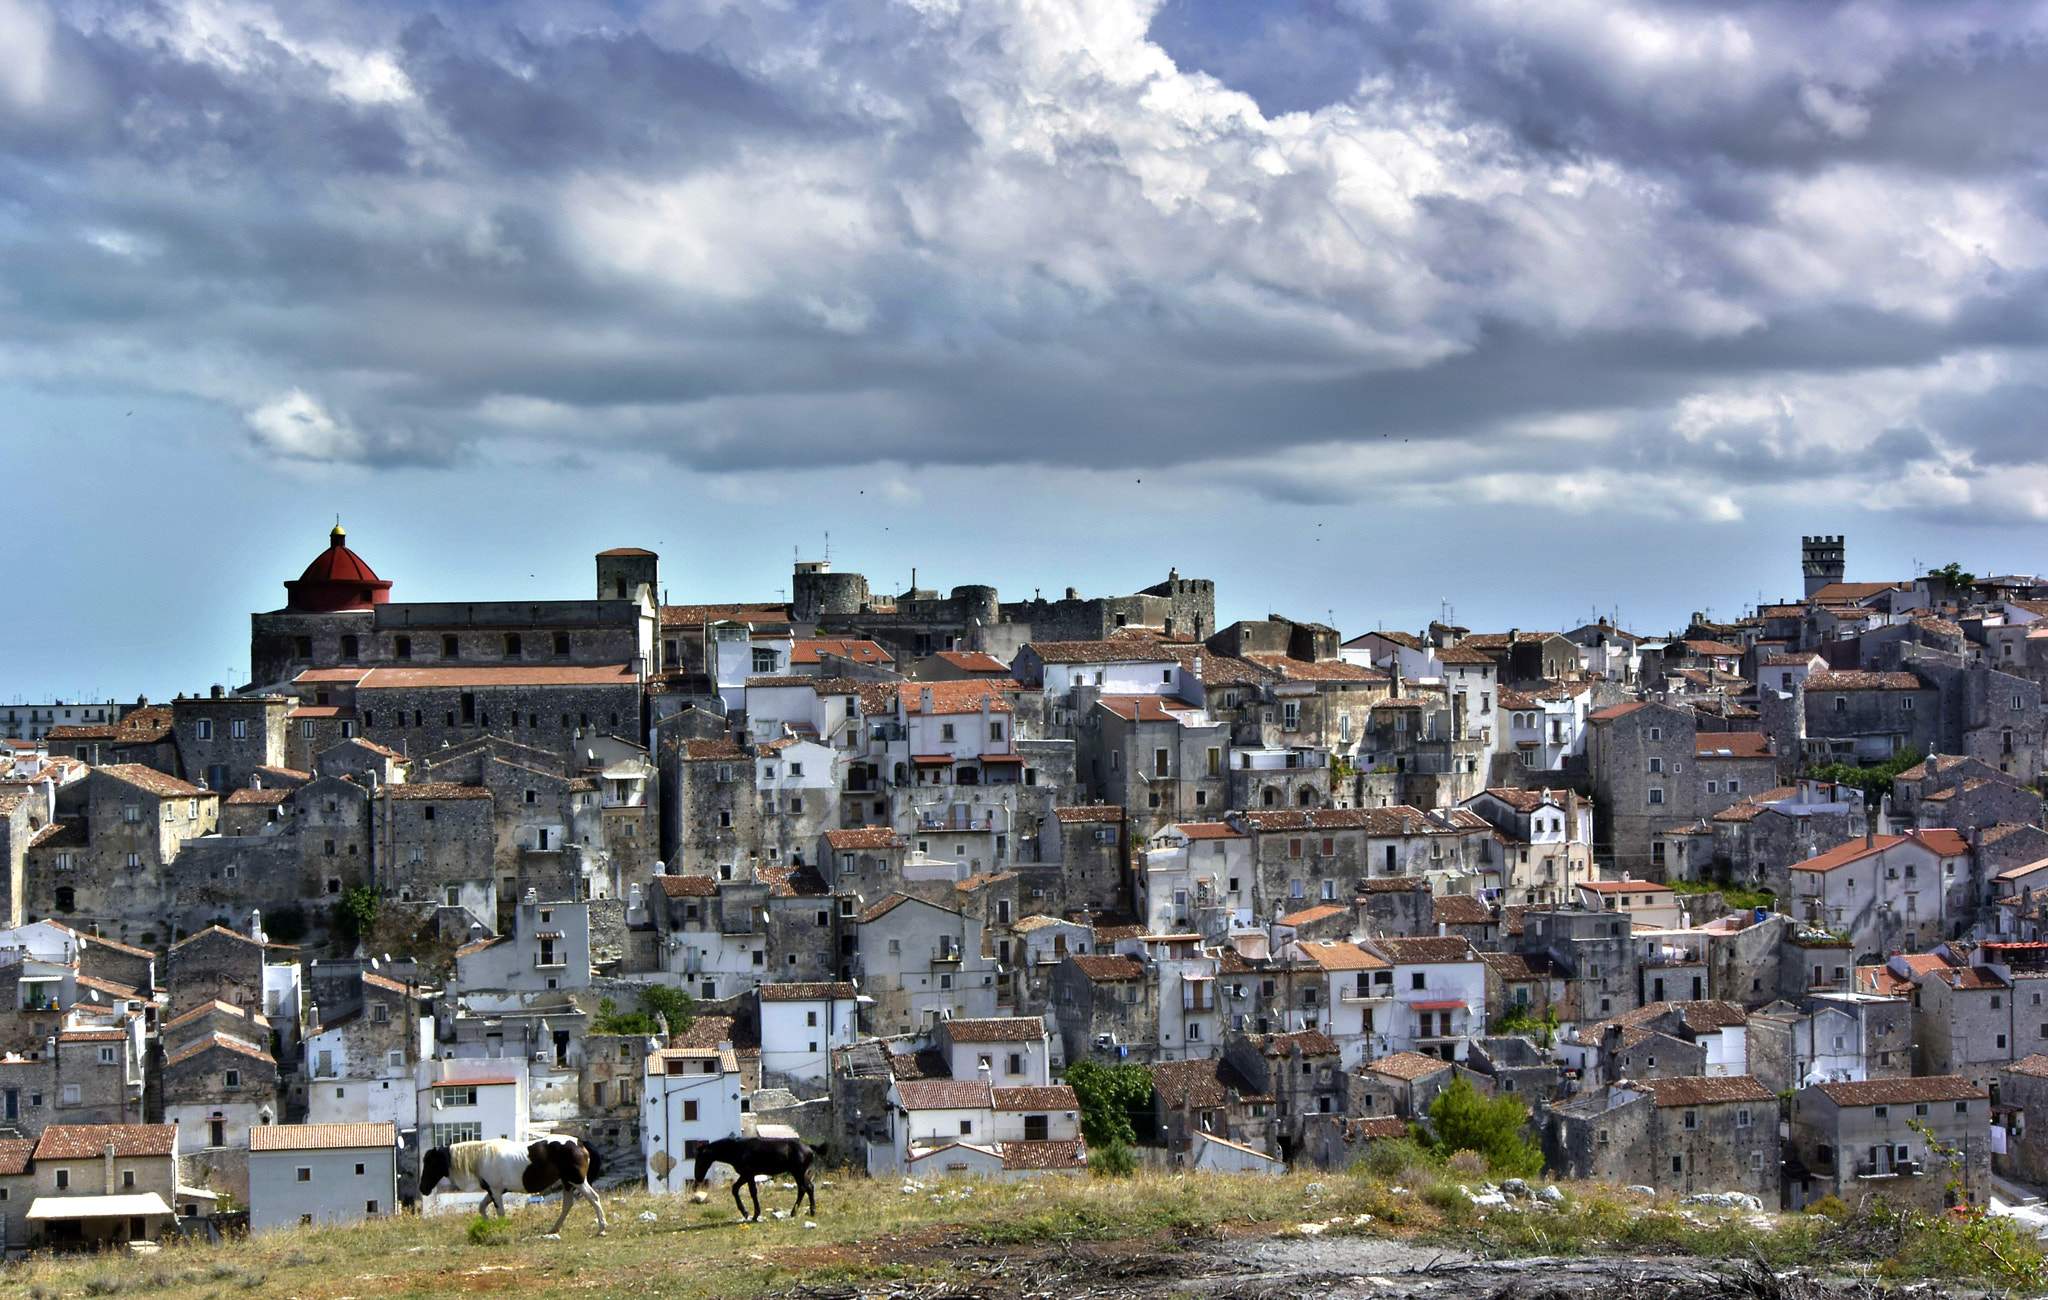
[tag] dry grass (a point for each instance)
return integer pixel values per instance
(871, 1231)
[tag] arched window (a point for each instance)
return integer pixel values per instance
(1271, 797)
(1306, 797)
(513, 645)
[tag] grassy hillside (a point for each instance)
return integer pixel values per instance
(872, 1236)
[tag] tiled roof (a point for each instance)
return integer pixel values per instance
(1099, 968)
(1970, 978)
(1146, 708)
(1460, 909)
(1377, 1128)
(1191, 1083)
(1463, 654)
(321, 1137)
(1208, 830)
(1310, 1042)
(1698, 1017)
(242, 798)
(484, 677)
(945, 1094)
(1301, 670)
(702, 751)
(808, 992)
(687, 886)
(215, 932)
(225, 1042)
(698, 615)
(1893, 1092)
(1131, 650)
(1624, 886)
(1408, 1066)
(1426, 950)
(808, 650)
(1526, 800)
(1309, 916)
(1714, 649)
(876, 911)
(1395, 821)
(997, 1029)
(864, 837)
(1943, 840)
(974, 661)
(1701, 1090)
(1731, 744)
(1882, 980)
(1843, 854)
(482, 945)
(85, 1141)
(2035, 1066)
(1857, 681)
(1341, 956)
(148, 778)
(1049, 1153)
(212, 1007)
(925, 1063)
(955, 697)
(15, 1154)
(1104, 812)
(437, 791)
(1055, 1097)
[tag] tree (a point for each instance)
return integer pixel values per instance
(1955, 575)
(1875, 782)
(1461, 1120)
(356, 913)
(656, 1000)
(1116, 1102)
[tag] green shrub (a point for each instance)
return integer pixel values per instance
(1112, 1160)
(484, 1231)
(1461, 1120)
(1116, 1102)
(1391, 1157)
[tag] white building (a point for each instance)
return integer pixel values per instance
(1438, 1000)
(693, 1096)
(321, 1174)
(1196, 876)
(470, 1100)
(1011, 1051)
(802, 1024)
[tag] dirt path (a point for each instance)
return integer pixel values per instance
(1316, 1268)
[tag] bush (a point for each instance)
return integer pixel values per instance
(486, 1231)
(1461, 1120)
(1116, 1102)
(1467, 1164)
(657, 1001)
(1831, 1207)
(1112, 1160)
(356, 913)
(1393, 1157)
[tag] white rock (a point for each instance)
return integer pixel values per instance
(648, 1216)
(1550, 1195)
(778, 1214)
(809, 1224)
(1640, 1190)
(1311, 1229)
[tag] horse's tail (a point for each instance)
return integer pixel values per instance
(596, 1157)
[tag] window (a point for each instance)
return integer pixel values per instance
(1881, 1112)
(1656, 795)
(764, 660)
(63, 1179)
(514, 645)
(561, 643)
(1841, 704)
(945, 731)
(127, 1178)
(1742, 1118)
(108, 1056)
(305, 1174)
(1692, 1119)
(204, 728)
(451, 647)
(1656, 733)
(1656, 765)
(1418, 980)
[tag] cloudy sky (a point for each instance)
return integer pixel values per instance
(1357, 306)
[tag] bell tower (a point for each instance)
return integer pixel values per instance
(1820, 558)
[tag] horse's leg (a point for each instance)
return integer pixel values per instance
(490, 1198)
(568, 1199)
(738, 1204)
(597, 1205)
(754, 1189)
(810, 1189)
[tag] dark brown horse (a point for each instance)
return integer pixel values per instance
(754, 1157)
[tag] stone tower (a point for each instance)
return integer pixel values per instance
(1821, 560)
(629, 573)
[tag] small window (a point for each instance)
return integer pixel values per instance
(305, 1174)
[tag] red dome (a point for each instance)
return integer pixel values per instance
(336, 580)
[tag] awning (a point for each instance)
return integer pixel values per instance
(97, 1207)
(1002, 758)
(935, 760)
(1436, 1006)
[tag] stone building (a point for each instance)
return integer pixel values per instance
(1904, 1139)
(439, 844)
(1107, 1008)
(223, 739)
(1677, 1135)
(1300, 1071)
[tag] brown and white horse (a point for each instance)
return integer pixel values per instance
(499, 1165)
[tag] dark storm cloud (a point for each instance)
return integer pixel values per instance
(1732, 248)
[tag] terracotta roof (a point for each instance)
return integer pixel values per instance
(1459, 909)
(1426, 950)
(1378, 1128)
(808, 992)
(1055, 1097)
(1697, 1017)
(389, 985)
(687, 886)
(481, 945)
(1309, 916)
(85, 1141)
(321, 1137)
(1300, 670)
(807, 650)
(1525, 800)
(1341, 956)
(700, 751)
(1970, 978)
(698, 615)
(1892, 1092)
(974, 661)
(1102, 812)
(2035, 1066)
(1312, 1042)
(483, 676)
(1624, 886)
(1790, 661)
(1106, 935)
(1731, 744)
(1501, 640)
(1204, 1083)
(1208, 830)
(437, 791)
(924, 1063)
(1520, 966)
(244, 798)
(1858, 681)
(1844, 854)
(954, 697)
(1701, 1090)
(1409, 1066)
(1130, 650)
(1943, 840)
(1146, 708)
(864, 837)
(1049, 1153)
(1099, 968)
(225, 1042)
(1462, 654)
(214, 932)
(945, 1094)
(148, 778)
(15, 1154)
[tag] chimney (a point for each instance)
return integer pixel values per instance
(218, 692)
(925, 701)
(110, 1168)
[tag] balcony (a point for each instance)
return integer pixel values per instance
(1896, 1169)
(549, 961)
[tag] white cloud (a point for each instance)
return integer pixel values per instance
(297, 427)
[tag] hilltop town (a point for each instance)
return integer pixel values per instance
(1744, 907)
